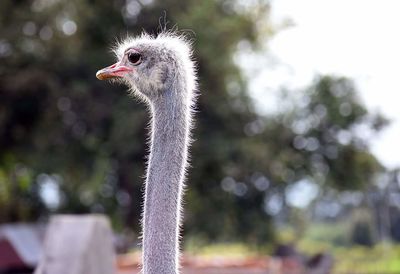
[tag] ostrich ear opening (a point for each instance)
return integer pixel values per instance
(114, 71)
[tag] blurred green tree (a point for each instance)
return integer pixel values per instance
(331, 130)
(71, 134)
(57, 121)
(321, 136)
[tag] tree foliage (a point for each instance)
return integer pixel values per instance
(62, 129)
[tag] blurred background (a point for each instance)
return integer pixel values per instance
(295, 139)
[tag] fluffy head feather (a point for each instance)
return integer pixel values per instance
(165, 59)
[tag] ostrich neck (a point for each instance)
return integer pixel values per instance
(164, 183)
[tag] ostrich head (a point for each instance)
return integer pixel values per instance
(150, 66)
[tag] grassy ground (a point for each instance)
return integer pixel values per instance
(380, 259)
(383, 258)
(232, 250)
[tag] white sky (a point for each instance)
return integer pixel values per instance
(355, 38)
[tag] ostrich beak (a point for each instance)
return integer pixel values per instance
(113, 71)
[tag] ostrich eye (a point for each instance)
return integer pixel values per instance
(135, 58)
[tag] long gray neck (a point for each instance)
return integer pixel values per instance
(165, 176)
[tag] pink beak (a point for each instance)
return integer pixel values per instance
(113, 71)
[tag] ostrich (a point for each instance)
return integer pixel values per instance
(159, 71)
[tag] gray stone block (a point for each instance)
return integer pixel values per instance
(78, 244)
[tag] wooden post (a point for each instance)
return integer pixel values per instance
(78, 244)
